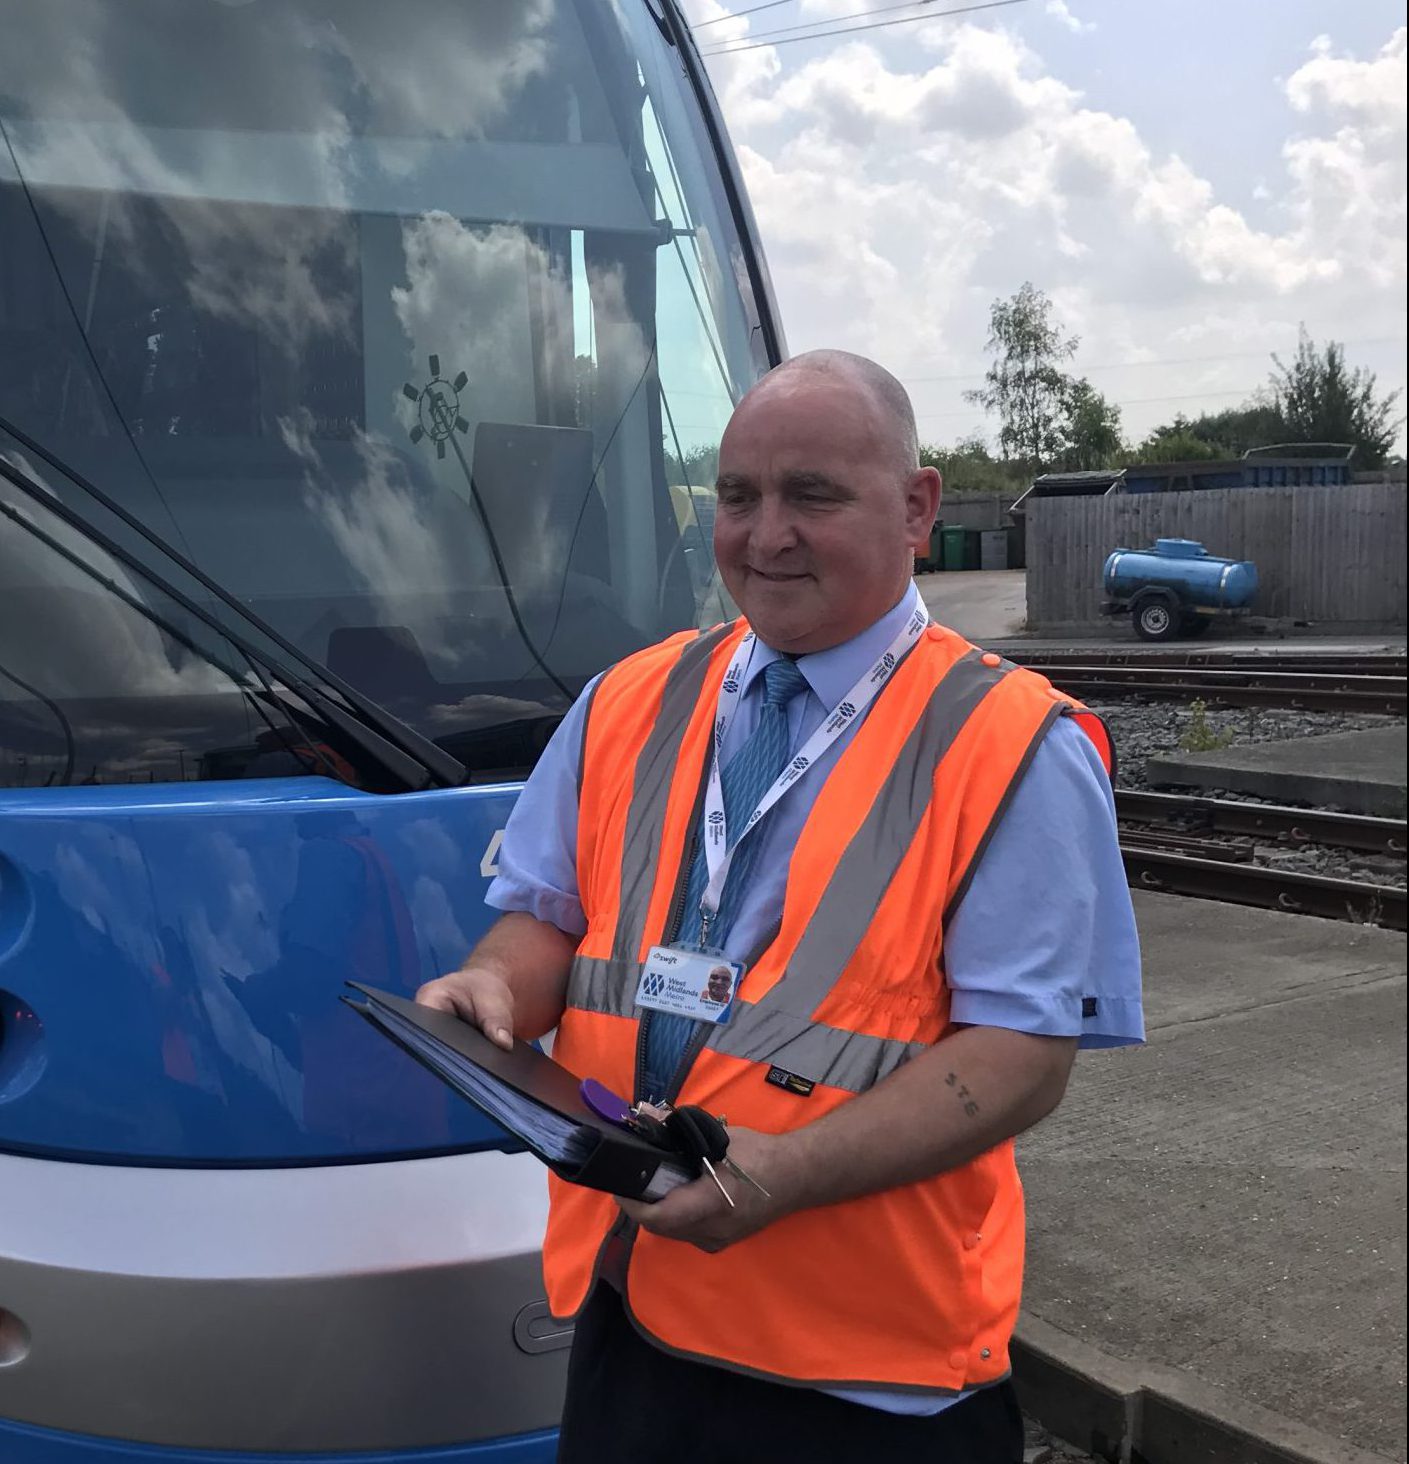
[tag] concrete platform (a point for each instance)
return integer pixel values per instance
(1362, 772)
(1226, 1205)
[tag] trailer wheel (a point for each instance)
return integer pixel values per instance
(1156, 616)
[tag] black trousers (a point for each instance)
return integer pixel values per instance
(630, 1403)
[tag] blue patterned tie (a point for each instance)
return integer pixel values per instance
(745, 778)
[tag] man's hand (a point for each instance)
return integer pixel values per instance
(513, 984)
(477, 996)
(698, 1214)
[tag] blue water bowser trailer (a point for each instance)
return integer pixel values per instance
(1176, 588)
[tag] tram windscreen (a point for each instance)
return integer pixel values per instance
(414, 326)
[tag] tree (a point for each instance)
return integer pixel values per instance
(1090, 428)
(1320, 400)
(1178, 442)
(969, 467)
(698, 468)
(1025, 384)
(1231, 432)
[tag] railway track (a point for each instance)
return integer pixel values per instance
(1205, 847)
(1178, 873)
(1293, 826)
(1377, 663)
(1169, 844)
(1300, 689)
(1292, 681)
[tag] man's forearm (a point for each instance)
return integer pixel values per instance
(971, 1091)
(532, 958)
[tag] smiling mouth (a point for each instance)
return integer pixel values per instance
(774, 578)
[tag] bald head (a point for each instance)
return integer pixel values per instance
(890, 402)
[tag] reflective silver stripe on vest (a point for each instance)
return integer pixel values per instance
(655, 769)
(605, 985)
(832, 1056)
(865, 870)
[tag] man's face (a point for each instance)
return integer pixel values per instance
(717, 987)
(817, 521)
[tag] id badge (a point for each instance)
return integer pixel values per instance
(689, 982)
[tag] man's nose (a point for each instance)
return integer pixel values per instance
(774, 528)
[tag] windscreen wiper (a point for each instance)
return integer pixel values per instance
(411, 758)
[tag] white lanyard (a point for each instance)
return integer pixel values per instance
(718, 853)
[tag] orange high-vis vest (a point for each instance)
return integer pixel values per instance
(913, 1288)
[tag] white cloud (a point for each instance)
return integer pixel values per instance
(1061, 11)
(900, 189)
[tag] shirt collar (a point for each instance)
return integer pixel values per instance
(832, 673)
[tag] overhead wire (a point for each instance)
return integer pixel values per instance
(812, 25)
(737, 14)
(756, 43)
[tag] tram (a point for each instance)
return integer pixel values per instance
(356, 364)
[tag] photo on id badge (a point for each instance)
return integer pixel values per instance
(719, 987)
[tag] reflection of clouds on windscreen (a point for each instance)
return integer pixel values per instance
(62, 631)
(379, 523)
(418, 81)
(439, 68)
(87, 77)
(482, 297)
(487, 710)
(243, 262)
(241, 108)
(467, 300)
(255, 269)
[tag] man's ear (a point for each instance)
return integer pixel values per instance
(922, 495)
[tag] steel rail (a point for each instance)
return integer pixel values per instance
(1217, 676)
(1265, 820)
(1269, 889)
(1388, 701)
(1378, 664)
(1178, 843)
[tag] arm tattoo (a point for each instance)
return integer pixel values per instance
(970, 1107)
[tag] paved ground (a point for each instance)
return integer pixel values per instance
(1362, 772)
(1230, 1199)
(990, 606)
(983, 604)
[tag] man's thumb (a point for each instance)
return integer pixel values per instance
(494, 1016)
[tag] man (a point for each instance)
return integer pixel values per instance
(905, 851)
(719, 986)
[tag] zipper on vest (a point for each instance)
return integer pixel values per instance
(672, 930)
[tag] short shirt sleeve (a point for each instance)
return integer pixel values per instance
(1044, 939)
(538, 854)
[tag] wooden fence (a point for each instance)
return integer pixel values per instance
(1333, 555)
(977, 510)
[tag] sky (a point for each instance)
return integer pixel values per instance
(1189, 182)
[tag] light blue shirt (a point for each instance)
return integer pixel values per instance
(1043, 940)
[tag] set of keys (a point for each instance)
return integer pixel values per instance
(698, 1136)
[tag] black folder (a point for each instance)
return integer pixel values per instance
(524, 1091)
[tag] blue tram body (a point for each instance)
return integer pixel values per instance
(357, 369)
